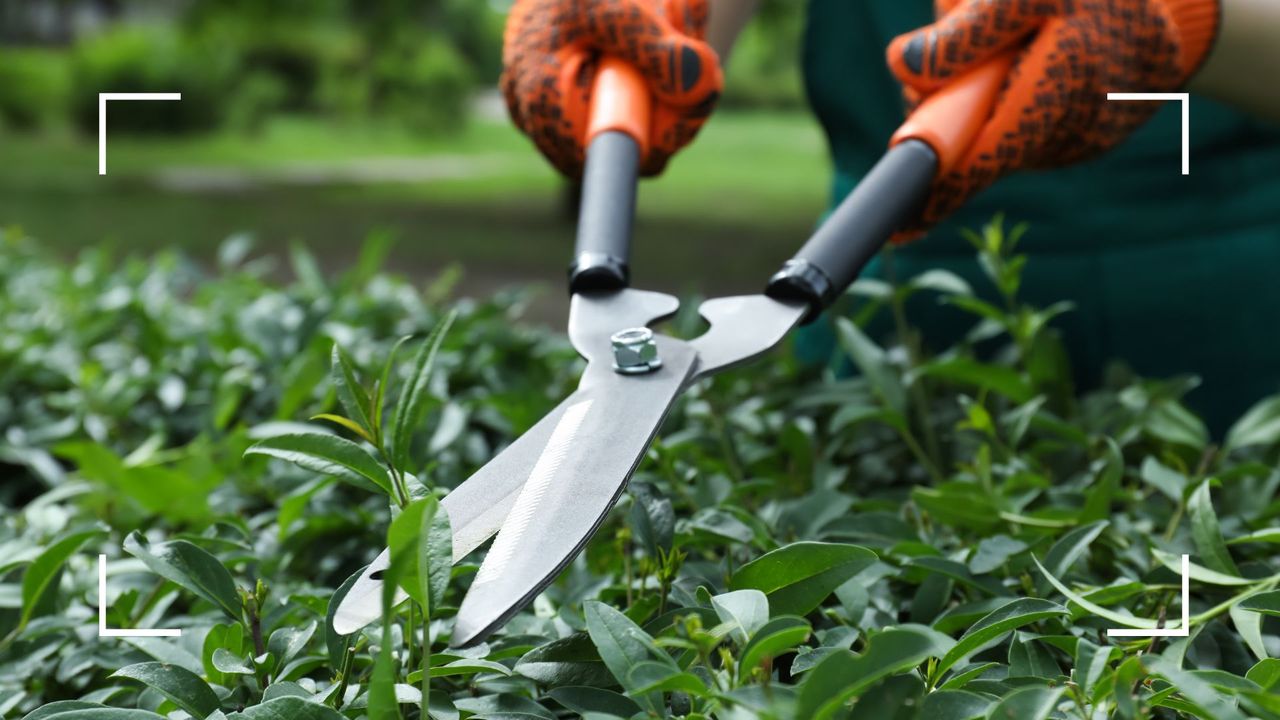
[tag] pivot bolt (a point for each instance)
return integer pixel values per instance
(634, 351)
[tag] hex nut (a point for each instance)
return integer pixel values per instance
(635, 351)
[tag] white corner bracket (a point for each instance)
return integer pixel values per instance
(102, 118)
(1185, 99)
(103, 630)
(1183, 630)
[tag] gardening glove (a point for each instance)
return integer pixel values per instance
(551, 49)
(1053, 109)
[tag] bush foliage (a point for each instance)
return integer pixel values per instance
(236, 63)
(35, 87)
(943, 536)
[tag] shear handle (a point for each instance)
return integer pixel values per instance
(617, 138)
(930, 142)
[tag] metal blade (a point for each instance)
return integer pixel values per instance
(742, 327)
(476, 510)
(597, 444)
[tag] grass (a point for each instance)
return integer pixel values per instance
(740, 200)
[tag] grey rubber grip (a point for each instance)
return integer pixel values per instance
(605, 218)
(888, 198)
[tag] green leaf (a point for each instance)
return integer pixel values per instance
(1028, 658)
(1199, 573)
(287, 642)
(873, 363)
(1071, 546)
(229, 663)
(401, 541)
(843, 675)
(1030, 703)
(337, 645)
(583, 700)
(189, 566)
(959, 504)
(79, 710)
(622, 646)
(383, 704)
(893, 698)
(746, 610)
(1127, 676)
(1208, 702)
(1172, 422)
(798, 577)
(776, 637)
(992, 553)
(943, 281)
(380, 394)
(469, 666)
(421, 533)
(181, 686)
(968, 675)
(650, 678)
(565, 662)
(222, 636)
(994, 625)
(38, 580)
(1266, 673)
(1206, 533)
(1110, 471)
(504, 706)
(955, 705)
(413, 400)
(1259, 426)
(355, 401)
(1265, 535)
(168, 492)
(346, 423)
(288, 708)
(1163, 478)
(1121, 619)
(1091, 662)
(1267, 603)
(965, 371)
(1249, 626)
(435, 552)
(330, 455)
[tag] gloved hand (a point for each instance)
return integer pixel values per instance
(1053, 109)
(551, 49)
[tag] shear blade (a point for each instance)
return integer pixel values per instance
(476, 510)
(595, 446)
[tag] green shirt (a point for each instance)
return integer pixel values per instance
(1173, 274)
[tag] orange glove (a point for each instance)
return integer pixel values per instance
(1053, 109)
(552, 47)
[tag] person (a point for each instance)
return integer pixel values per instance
(1173, 274)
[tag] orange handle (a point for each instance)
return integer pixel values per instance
(620, 100)
(949, 120)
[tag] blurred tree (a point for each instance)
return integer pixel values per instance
(764, 70)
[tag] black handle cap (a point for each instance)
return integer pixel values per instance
(801, 280)
(598, 271)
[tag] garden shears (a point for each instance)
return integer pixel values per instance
(547, 493)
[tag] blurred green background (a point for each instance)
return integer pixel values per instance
(319, 121)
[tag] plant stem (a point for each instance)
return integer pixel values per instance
(626, 569)
(1175, 520)
(344, 676)
(1213, 612)
(410, 625)
(918, 391)
(426, 661)
(921, 456)
(255, 630)
(726, 443)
